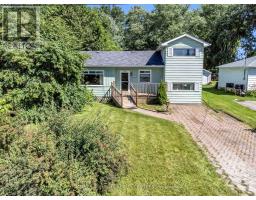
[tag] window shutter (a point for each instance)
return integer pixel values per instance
(197, 86)
(170, 51)
(197, 52)
(169, 88)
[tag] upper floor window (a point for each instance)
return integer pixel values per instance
(184, 52)
(93, 77)
(145, 76)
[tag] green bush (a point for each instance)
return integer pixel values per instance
(161, 94)
(45, 79)
(4, 107)
(251, 93)
(59, 157)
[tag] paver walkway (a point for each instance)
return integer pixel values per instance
(229, 144)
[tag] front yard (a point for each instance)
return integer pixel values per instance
(163, 158)
(220, 100)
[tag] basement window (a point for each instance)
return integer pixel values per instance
(93, 77)
(183, 86)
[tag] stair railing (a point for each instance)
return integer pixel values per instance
(116, 95)
(134, 94)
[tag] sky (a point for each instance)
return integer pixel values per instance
(149, 7)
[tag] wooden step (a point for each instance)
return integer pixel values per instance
(128, 103)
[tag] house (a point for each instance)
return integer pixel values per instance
(178, 62)
(242, 72)
(207, 77)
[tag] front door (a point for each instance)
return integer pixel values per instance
(125, 81)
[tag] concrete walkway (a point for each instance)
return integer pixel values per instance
(229, 144)
(248, 104)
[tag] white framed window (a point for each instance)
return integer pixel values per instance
(144, 76)
(183, 86)
(184, 52)
(93, 77)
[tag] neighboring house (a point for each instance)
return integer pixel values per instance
(207, 77)
(242, 72)
(178, 62)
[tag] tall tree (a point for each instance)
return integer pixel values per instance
(135, 29)
(166, 22)
(90, 27)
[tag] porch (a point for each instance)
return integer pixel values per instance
(133, 94)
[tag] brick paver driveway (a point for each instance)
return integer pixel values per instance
(229, 144)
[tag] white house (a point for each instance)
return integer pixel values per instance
(207, 76)
(242, 72)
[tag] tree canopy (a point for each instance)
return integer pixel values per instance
(227, 27)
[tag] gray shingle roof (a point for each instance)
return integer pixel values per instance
(250, 62)
(124, 59)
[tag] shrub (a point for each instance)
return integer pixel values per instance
(44, 79)
(59, 157)
(161, 94)
(4, 107)
(251, 93)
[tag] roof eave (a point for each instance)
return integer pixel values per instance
(235, 66)
(206, 44)
(134, 66)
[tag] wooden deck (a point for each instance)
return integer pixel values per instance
(137, 94)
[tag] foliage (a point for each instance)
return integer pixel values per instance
(135, 30)
(4, 107)
(93, 30)
(251, 93)
(59, 157)
(46, 78)
(162, 94)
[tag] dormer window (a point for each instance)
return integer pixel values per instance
(184, 52)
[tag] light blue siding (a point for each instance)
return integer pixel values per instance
(184, 69)
(113, 74)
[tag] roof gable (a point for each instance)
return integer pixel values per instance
(205, 44)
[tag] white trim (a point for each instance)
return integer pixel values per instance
(206, 44)
(149, 77)
(125, 71)
(97, 70)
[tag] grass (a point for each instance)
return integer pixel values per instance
(220, 100)
(154, 107)
(163, 158)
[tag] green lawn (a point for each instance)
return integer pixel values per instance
(154, 107)
(163, 159)
(220, 100)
